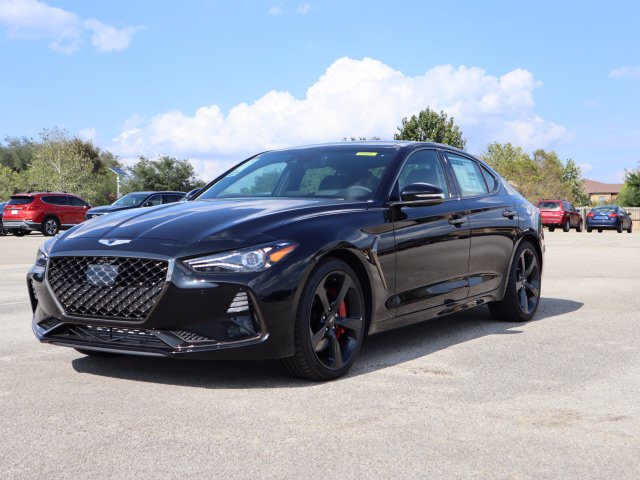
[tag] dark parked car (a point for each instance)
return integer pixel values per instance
(609, 217)
(47, 212)
(295, 254)
(560, 213)
(3, 231)
(137, 200)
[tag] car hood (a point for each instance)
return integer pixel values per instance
(216, 224)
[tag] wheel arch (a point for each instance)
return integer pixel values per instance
(527, 236)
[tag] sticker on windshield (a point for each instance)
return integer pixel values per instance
(367, 154)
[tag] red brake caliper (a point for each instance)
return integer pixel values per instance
(342, 312)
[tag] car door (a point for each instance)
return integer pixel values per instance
(493, 222)
(432, 241)
(78, 209)
(54, 205)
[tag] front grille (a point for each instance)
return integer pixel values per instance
(111, 287)
(131, 337)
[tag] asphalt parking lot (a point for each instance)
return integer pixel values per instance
(457, 397)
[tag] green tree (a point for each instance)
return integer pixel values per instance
(10, 182)
(18, 153)
(165, 173)
(572, 177)
(550, 182)
(59, 165)
(516, 166)
(630, 194)
(430, 126)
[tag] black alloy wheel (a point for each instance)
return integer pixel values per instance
(567, 226)
(330, 323)
(50, 226)
(522, 295)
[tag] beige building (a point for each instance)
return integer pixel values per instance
(601, 193)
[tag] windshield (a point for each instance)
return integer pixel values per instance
(130, 199)
(344, 172)
(549, 205)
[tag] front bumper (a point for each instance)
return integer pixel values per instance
(21, 224)
(194, 316)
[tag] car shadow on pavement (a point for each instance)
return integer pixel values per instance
(379, 351)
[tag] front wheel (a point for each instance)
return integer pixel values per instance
(329, 325)
(619, 228)
(579, 227)
(522, 295)
(567, 226)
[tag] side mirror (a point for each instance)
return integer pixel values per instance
(147, 204)
(192, 193)
(421, 194)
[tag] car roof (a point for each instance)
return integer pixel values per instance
(161, 191)
(378, 143)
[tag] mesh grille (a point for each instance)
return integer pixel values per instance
(114, 287)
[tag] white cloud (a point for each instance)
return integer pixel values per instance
(88, 134)
(360, 98)
(107, 38)
(304, 8)
(34, 20)
(625, 72)
(585, 167)
(275, 10)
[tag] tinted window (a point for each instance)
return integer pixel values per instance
(76, 202)
(130, 199)
(423, 166)
(468, 175)
(55, 200)
(171, 198)
(604, 210)
(343, 171)
(20, 200)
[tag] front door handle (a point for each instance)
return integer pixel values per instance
(509, 214)
(457, 220)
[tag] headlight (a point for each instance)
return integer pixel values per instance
(41, 258)
(254, 259)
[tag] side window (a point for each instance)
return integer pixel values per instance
(491, 181)
(154, 200)
(169, 199)
(469, 176)
(423, 166)
(76, 202)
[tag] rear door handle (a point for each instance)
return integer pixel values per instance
(509, 214)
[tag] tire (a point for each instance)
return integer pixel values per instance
(589, 229)
(328, 331)
(551, 229)
(522, 295)
(630, 229)
(579, 227)
(599, 230)
(18, 232)
(619, 228)
(50, 226)
(567, 226)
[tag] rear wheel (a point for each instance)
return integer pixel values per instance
(329, 325)
(579, 227)
(522, 295)
(567, 226)
(619, 228)
(50, 226)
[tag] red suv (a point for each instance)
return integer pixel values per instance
(559, 213)
(46, 212)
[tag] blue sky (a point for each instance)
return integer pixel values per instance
(216, 81)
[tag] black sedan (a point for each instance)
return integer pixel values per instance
(295, 254)
(609, 217)
(136, 200)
